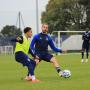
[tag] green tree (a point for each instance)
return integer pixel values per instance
(9, 31)
(65, 15)
(53, 15)
(86, 4)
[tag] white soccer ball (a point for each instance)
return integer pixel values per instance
(66, 73)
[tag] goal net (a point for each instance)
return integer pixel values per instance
(6, 49)
(68, 40)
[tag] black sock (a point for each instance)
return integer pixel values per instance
(82, 55)
(87, 55)
(58, 69)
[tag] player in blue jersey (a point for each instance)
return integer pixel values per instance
(21, 53)
(85, 45)
(40, 44)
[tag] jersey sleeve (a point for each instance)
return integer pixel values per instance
(33, 42)
(32, 53)
(52, 45)
(89, 36)
(18, 39)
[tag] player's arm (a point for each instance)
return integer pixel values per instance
(33, 55)
(33, 42)
(18, 39)
(89, 36)
(51, 43)
(83, 36)
(32, 47)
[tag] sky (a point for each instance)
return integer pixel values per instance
(9, 11)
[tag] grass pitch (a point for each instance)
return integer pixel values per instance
(12, 74)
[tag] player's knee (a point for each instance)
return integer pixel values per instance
(33, 62)
(53, 60)
(82, 51)
(37, 61)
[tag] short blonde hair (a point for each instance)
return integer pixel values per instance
(44, 24)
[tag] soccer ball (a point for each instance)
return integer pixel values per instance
(66, 73)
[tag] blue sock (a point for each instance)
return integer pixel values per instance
(33, 64)
(30, 71)
(30, 68)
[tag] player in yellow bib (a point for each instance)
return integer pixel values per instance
(21, 53)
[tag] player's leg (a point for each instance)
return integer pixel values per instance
(56, 65)
(26, 61)
(23, 59)
(49, 58)
(31, 64)
(87, 53)
(82, 60)
(34, 66)
(83, 49)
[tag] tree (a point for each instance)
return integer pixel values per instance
(86, 4)
(9, 31)
(65, 15)
(53, 15)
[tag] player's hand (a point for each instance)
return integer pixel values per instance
(64, 51)
(18, 38)
(37, 61)
(36, 57)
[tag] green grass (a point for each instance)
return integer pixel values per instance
(12, 74)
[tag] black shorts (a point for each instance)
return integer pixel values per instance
(44, 56)
(85, 47)
(23, 59)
